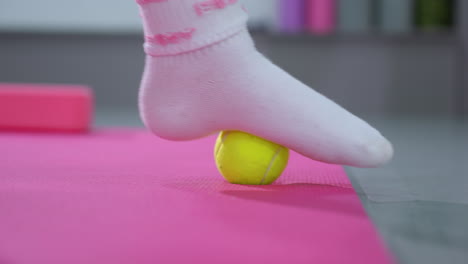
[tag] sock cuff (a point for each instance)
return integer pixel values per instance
(173, 27)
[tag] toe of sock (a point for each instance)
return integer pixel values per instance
(374, 153)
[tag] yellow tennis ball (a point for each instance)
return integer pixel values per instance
(247, 159)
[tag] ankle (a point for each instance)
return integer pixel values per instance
(175, 27)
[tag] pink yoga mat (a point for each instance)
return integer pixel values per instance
(125, 196)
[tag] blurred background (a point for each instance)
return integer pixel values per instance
(375, 57)
(400, 64)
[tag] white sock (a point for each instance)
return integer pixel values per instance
(203, 74)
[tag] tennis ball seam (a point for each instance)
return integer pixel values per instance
(223, 138)
(280, 148)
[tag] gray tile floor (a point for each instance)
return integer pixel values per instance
(419, 202)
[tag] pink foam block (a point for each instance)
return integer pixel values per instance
(34, 107)
(126, 196)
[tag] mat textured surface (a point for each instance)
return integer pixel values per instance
(125, 196)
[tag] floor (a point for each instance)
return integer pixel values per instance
(419, 202)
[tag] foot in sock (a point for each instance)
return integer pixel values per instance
(203, 74)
